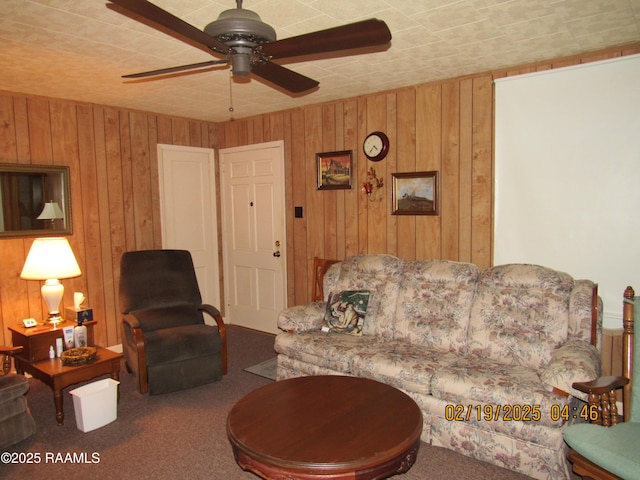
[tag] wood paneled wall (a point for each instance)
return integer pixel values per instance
(612, 352)
(445, 126)
(112, 157)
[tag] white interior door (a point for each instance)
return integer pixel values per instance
(254, 234)
(189, 215)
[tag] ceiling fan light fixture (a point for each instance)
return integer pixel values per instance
(241, 61)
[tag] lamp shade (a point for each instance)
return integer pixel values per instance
(51, 211)
(50, 257)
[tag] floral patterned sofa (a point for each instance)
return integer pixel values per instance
(488, 355)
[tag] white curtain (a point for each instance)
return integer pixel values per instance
(567, 169)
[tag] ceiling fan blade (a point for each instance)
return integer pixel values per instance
(283, 77)
(366, 33)
(181, 68)
(157, 15)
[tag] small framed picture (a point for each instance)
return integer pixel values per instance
(415, 193)
(334, 170)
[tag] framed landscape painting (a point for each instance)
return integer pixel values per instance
(334, 170)
(415, 193)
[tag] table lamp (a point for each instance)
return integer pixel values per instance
(50, 259)
(51, 211)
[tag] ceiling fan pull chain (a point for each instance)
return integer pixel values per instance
(230, 91)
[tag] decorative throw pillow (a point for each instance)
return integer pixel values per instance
(346, 311)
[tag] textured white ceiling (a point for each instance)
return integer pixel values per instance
(78, 49)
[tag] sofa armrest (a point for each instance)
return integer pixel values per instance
(575, 361)
(302, 318)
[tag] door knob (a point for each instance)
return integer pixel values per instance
(276, 253)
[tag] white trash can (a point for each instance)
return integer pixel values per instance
(95, 404)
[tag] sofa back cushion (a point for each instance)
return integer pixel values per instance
(380, 275)
(520, 314)
(434, 304)
(330, 281)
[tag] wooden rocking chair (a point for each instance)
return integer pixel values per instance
(610, 447)
(320, 267)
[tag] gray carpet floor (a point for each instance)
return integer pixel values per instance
(179, 435)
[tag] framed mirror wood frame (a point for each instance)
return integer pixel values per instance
(25, 191)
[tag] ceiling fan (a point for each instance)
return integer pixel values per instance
(250, 45)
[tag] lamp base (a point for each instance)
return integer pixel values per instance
(52, 292)
(55, 318)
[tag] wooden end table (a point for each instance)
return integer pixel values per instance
(34, 359)
(325, 427)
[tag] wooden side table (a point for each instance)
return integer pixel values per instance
(35, 341)
(34, 359)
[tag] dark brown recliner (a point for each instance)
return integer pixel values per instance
(166, 342)
(16, 422)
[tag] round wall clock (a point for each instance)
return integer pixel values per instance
(376, 146)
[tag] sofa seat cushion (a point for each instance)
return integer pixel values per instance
(402, 365)
(515, 389)
(181, 343)
(520, 314)
(327, 350)
(434, 303)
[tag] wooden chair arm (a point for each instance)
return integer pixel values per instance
(222, 329)
(601, 385)
(8, 352)
(133, 325)
(602, 396)
(131, 321)
(210, 310)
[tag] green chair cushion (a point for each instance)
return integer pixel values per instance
(613, 448)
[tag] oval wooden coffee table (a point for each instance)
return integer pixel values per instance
(325, 427)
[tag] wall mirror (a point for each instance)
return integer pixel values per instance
(34, 200)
